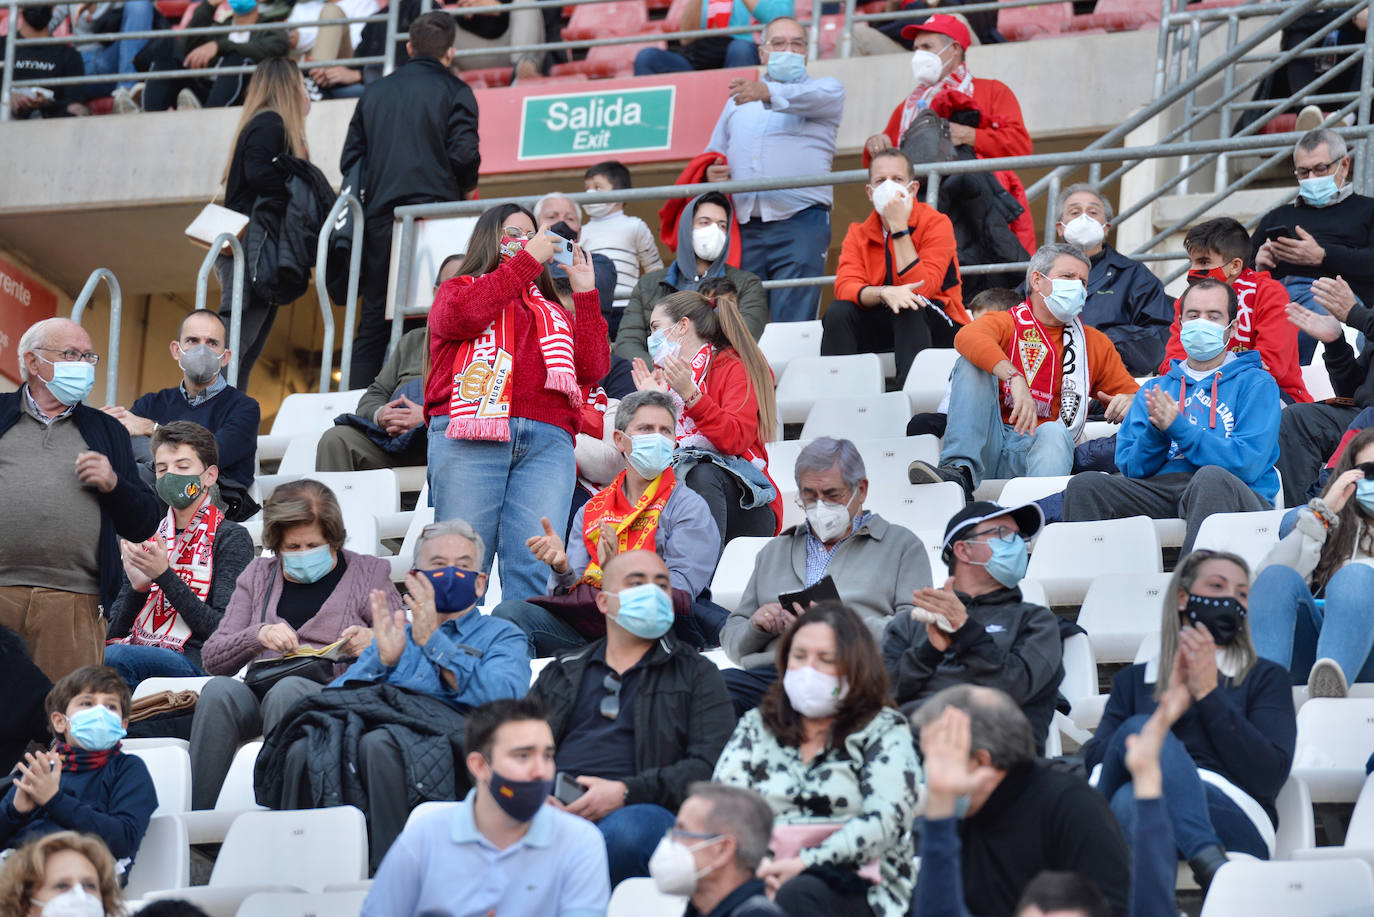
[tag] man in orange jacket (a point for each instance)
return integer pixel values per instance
(1019, 396)
(897, 285)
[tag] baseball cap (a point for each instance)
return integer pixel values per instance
(942, 24)
(1028, 517)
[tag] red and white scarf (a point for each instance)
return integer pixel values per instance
(689, 435)
(191, 557)
(483, 367)
(958, 80)
(1032, 352)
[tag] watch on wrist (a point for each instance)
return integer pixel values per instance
(904, 232)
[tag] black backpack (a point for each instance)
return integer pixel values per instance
(284, 231)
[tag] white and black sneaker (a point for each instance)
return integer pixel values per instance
(1326, 680)
(919, 472)
(187, 100)
(313, 90)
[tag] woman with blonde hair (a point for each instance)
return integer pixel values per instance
(1229, 753)
(61, 873)
(706, 359)
(272, 124)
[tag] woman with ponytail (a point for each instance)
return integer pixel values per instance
(705, 357)
(1326, 642)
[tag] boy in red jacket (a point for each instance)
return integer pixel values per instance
(1218, 249)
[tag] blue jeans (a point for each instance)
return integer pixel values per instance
(631, 835)
(976, 438)
(118, 56)
(1289, 628)
(1300, 292)
(740, 52)
(502, 490)
(546, 633)
(1200, 813)
(135, 663)
(781, 249)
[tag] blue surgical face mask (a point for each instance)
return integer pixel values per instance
(645, 611)
(650, 454)
(1202, 340)
(1318, 191)
(308, 566)
(243, 7)
(660, 348)
(455, 589)
(1364, 495)
(95, 728)
(786, 66)
(1009, 559)
(1066, 299)
(71, 381)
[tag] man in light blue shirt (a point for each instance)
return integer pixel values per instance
(784, 124)
(501, 850)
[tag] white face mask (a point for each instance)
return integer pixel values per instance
(926, 67)
(674, 869)
(708, 241)
(74, 902)
(597, 211)
(829, 520)
(1084, 231)
(886, 192)
(813, 693)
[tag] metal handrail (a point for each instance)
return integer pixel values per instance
(235, 294)
(355, 260)
(83, 299)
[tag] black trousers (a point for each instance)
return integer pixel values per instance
(722, 493)
(1308, 434)
(213, 91)
(848, 327)
(809, 895)
(255, 325)
(374, 330)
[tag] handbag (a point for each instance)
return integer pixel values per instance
(789, 840)
(264, 674)
(214, 220)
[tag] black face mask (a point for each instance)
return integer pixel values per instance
(37, 17)
(1221, 616)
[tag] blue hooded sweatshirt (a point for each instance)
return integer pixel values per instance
(1230, 419)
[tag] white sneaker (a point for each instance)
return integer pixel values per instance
(124, 103)
(1309, 119)
(187, 100)
(1326, 680)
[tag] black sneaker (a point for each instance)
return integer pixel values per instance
(919, 472)
(1206, 864)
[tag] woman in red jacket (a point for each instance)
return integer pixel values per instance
(503, 396)
(705, 357)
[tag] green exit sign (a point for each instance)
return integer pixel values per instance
(615, 121)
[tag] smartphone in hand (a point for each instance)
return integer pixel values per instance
(565, 789)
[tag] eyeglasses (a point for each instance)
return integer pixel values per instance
(514, 232)
(71, 355)
(610, 704)
(787, 44)
(679, 833)
(830, 496)
(1317, 171)
(1001, 531)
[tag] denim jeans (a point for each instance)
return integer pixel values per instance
(502, 490)
(118, 56)
(782, 249)
(976, 438)
(631, 835)
(1289, 628)
(135, 663)
(1300, 292)
(546, 633)
(1200, 813)
(740, 52)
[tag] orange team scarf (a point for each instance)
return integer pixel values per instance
(635, 526)
(191, 558)
(483, 366)
(1035, 356)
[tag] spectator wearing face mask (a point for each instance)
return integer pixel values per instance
(201, 351)
(1199, 440)
(703, 244)
(37, 62)
(626, 240)
(1239, 729)
(556, 207)
(897, 284)
(783, 233)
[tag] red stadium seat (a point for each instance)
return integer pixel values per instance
(606, 61)
(672, 22)
(490, 77)
(1022, 22)
(601, 20)
(173, 10)
(101, 106)
(1118, 16)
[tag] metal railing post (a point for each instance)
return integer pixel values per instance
(83, 299)
(402, 289)
(847, 30)
(235, 295)
(355, 260)
(1228, 88)
(392, 13)
(1051, 200)
(1366, 170)
(8, 75)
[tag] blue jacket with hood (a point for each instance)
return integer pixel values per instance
(1229, 419)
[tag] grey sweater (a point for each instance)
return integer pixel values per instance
(875, 571)
(231, 553)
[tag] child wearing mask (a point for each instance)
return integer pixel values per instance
(627, 241)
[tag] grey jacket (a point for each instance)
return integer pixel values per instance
(875, 571)
(1006, 643)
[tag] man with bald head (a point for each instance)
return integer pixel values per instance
(70, 466)
(637, 715)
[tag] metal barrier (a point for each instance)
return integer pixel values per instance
(355, 260)
(111, 356)
(236, 294)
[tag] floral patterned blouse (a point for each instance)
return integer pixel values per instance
(869, 783)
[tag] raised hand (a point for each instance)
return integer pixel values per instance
(548, 548)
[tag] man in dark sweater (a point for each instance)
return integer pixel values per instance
(976, 629)
(69, 489)
(1327, 232)
(416, 133)
(1024, 817)
(39, 62)
(203, 397)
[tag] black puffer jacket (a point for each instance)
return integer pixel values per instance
(683, 717)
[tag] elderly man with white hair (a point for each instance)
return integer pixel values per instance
(72, 467)
(557, 207)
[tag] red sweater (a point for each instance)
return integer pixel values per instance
(727, 413)
(463, 311)
(1263, 325)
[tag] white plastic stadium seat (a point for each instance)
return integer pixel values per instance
(164, 858)
(782, 342)
(305, 413)
(150, 686)
(809, 379)
(931, 539)
(299, 457)
(1120, 609)
(1359, 836)
(1293, 888)
(921, 507)
(287, 904)
(928, 378)
(1335, 736)
(401, 563)
(782, 461)
(170, 768)
(1018, 491)
(641, 897)
(236, 796)
(1250, 535)
(1068, 555)
(1317, 381)
(866, 417)
(1297, 828)
(1080, 671)
(734, 569)
(886, 460)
